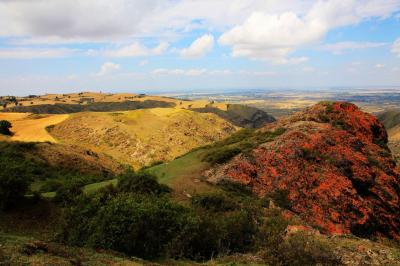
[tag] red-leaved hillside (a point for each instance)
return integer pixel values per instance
(333, 166)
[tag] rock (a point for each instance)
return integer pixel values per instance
(334, 166)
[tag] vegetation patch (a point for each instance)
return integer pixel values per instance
(5, 127)
(243, 141)
(60, 108)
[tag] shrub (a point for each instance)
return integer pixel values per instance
(235, 188)
(5, 127)
(137, 225)
(13, 186)
(301, 249)
(141, 182)
(150, 226)
(243, 141)
(272, 229)
(221, 155)
(51, 185)
(216, 202)
(281, 198)
(66, 194)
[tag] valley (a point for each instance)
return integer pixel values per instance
(320, 177)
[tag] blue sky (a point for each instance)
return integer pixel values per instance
(189, 45)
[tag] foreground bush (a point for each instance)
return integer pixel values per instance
(13, 186)
(139, 219)
(301, 249)
(137, 225)
(140, 182)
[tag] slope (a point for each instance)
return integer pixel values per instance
(41, 162)
(29, 127)
(142, 137)
(240, 115)
(391, 120)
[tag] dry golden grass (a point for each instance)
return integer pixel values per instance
(141, 137)
(394, 133)
(28, 127)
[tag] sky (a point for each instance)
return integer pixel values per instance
(60, 46)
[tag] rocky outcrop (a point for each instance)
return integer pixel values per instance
(334, 168)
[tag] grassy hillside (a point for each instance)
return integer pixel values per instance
(142, 137)
(240, 115)
(30, 127)
(45, 163)
(391, 120)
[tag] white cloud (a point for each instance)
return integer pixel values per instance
(273, 37)
(143, 62)
(99, 21)
(379, 65)
(199, 47)
(107, 68)
(190, 72)
(204, 71)
(340, 47)
(308, 69)
(31, 53)
(184, 72)
(136, 49)
(396, 47)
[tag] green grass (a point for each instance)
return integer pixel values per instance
(88, 189)
(188, 165)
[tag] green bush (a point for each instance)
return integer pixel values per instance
(66, 194)
(5, 127)
(137, 225)
(150, 225)
(280, 197)
(243, 141)
(302, 249)
(51, 185)
(216, 202)
(221, 155)
(13, 186)
(140, 182)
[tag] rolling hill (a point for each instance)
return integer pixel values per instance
(142, 137)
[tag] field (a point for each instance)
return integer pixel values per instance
(142, 137)
(29, 127)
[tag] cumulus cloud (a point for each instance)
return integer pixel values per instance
(136, 49)
(273, 37)
(259, 29)
(340, 47)
(380, 65)
(396, 47)
(199, 47)
(107, 68)
(32, 53)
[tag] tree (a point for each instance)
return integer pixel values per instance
(5, 127)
